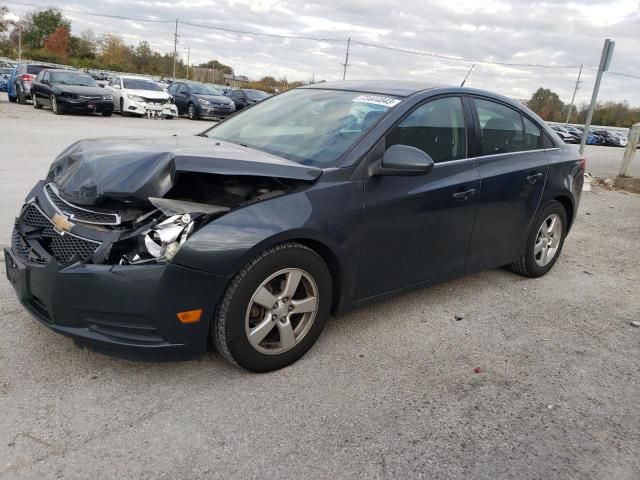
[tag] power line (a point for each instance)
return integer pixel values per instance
(463, 59)
(321, 39)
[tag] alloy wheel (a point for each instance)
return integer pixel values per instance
(548, 240)
(281, 311)
(54, 104)
(191, 112)
(34, 100)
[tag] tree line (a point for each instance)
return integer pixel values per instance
(548, 105)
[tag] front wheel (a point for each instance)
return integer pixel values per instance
(191, 112)
(55, 107)
(544, 242)
(274, 309)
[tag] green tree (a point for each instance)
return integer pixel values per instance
(40, 24)
(85, 46)
(547, 104)
(5, 23)
(217, 66)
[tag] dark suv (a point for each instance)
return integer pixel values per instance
(198, 100)
(19, 88)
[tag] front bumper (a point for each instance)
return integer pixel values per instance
(85, 105)
(127, 311)
(154, 109)
(213, 111)
(124, 310)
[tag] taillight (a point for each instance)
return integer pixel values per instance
(583, 163)
(27, 77)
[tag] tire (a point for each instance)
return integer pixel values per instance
(122, 112)
(532, 262)
(55, 108)
(107, 114)
(191, 112)
(239, 312)
(34, 99)
(20, 95)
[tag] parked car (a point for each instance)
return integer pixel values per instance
(5, 73)
(141, 97)
(565, 135)
(253, 231)
(198, 100)
(574, 131)
(246, 97)
(611, 139)
(592, 138)
(19, 83)
(68, 91)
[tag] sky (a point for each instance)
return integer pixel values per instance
(555, 32)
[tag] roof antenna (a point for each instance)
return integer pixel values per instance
(468, 73)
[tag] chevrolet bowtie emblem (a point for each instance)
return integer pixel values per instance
(61, 223)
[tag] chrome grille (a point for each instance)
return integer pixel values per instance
(64, 247)
(79, 214)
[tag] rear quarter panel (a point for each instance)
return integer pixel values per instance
(565, 178)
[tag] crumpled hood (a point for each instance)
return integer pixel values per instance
(134, 169)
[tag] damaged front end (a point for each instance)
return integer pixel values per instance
(131, 233)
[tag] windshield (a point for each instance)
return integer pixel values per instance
(308, 126)
(204, 90)
(256, 95)
(71, 78)
(140, 84)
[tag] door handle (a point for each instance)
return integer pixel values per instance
(533, 178)
(462, 196)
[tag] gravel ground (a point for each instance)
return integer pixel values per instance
(389, 391)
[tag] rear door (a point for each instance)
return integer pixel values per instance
(513, 168)
(418, 227)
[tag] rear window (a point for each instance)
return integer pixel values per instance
(35, 69)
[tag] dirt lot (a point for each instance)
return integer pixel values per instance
(389, 391)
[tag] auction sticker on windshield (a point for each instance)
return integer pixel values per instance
(377, 100)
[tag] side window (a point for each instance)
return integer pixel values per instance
(532, 135)
(500, 127)
(436, 128)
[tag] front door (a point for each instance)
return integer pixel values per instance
(513, 170)
(418, 227)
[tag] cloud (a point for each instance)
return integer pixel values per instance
(518, 31)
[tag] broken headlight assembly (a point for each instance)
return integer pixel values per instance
(161, 242)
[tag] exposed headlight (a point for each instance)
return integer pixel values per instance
(135, 98)
(204, 102)
(164, 240)
(107, 97)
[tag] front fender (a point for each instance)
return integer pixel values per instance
(224, 245)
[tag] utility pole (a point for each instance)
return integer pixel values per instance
(574, 94)
(188, 59)
(175, 49)
(19, 41)
(605, 61)
(346, 60)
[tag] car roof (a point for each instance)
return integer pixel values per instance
(401, 88)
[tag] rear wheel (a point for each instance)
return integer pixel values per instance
(274, 309)
(544, 243)
(20, 95)
(34, 99)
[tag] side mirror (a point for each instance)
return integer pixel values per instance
(405, 160)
